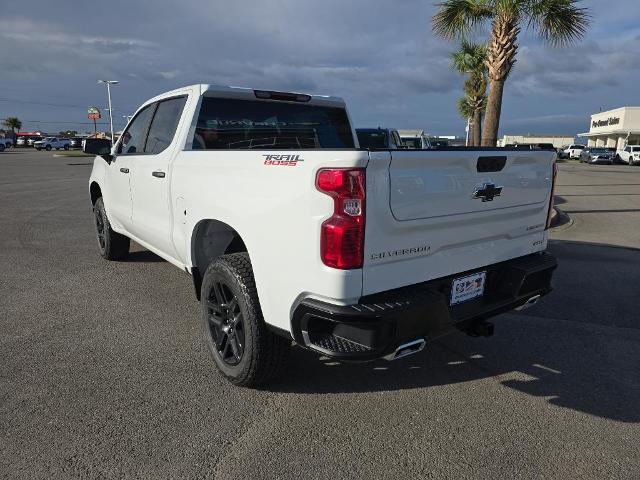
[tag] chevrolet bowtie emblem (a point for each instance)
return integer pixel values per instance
(487, 192)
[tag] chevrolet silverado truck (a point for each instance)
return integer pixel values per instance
(292, 233)
(50, 143)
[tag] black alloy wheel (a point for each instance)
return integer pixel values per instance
(100, 229)
(226, 323)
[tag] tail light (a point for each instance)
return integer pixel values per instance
(342, 235)
(553, 191)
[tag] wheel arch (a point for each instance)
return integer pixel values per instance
(95, 192)
(211, 239)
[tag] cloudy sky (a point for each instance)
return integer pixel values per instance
(380, 56)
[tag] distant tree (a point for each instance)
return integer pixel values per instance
(14, 124)
(558, 22)
(68, 133)
(471, 60)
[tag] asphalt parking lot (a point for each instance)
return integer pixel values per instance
(104, 373)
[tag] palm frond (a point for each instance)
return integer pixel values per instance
(464, 108)
(559, 22)
(458, 18)
(471, 58)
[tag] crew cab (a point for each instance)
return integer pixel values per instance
(49, 143)
(293, 232)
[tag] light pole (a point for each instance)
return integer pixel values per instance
(109, 83)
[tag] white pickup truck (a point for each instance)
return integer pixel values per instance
(292, 232)
(50, 143)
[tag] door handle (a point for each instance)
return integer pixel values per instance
(158, 174)
(124, 170)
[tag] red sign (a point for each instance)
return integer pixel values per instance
(93, 113)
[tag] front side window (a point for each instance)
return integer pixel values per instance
(628, 149)
(164, 124)
(133, 139)
(227, 123)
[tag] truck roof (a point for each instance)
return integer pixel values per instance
(247, 93)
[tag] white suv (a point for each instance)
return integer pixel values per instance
(630, 154)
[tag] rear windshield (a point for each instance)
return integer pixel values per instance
(229, 123)
(372, 138)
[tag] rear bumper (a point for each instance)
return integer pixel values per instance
(379, 323)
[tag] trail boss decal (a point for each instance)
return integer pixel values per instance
(282, 160)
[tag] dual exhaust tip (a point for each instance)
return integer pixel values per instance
(480, 329)
(406, 349)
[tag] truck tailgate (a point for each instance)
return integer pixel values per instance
(436, 213)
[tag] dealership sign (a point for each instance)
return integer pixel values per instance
(93, 113)
(607, 122)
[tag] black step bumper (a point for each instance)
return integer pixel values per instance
(379, 323)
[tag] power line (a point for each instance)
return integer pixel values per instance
(45, 104)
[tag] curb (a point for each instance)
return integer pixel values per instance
(560, 220)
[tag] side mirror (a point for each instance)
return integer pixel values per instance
(98, 146)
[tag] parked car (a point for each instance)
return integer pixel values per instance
(379, 138)
(6, 142)
(598, 155)
(50, 143)
(531, 146)
(574, 151)
(629, 154)
(32, 140)
(21, 142)
(562, 154)
(438, 143)
(380, 249)
(414, 139)
(2, 147)
(75, 142)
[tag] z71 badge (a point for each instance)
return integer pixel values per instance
(282, 160)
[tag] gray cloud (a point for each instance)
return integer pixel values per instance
(380, 56)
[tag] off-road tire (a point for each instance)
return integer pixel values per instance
(111, 245)
(66, 147)
(264, 354)
(48, 148)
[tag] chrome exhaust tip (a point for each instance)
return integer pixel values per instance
(407, 349)
(529, 303)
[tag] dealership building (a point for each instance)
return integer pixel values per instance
(558, 141)
(614, 128)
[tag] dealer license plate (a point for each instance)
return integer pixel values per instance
(467, 288)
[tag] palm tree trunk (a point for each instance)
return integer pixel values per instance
(477, 127)
(492, 113)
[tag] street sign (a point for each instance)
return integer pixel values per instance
(93, 113)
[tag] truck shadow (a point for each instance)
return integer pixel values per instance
(578, 349)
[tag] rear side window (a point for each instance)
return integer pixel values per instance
(227, 123)
(164, 124)
(132, 140)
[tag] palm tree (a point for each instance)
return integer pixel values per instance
(471, 60)
(14, 124)
(558, 22)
